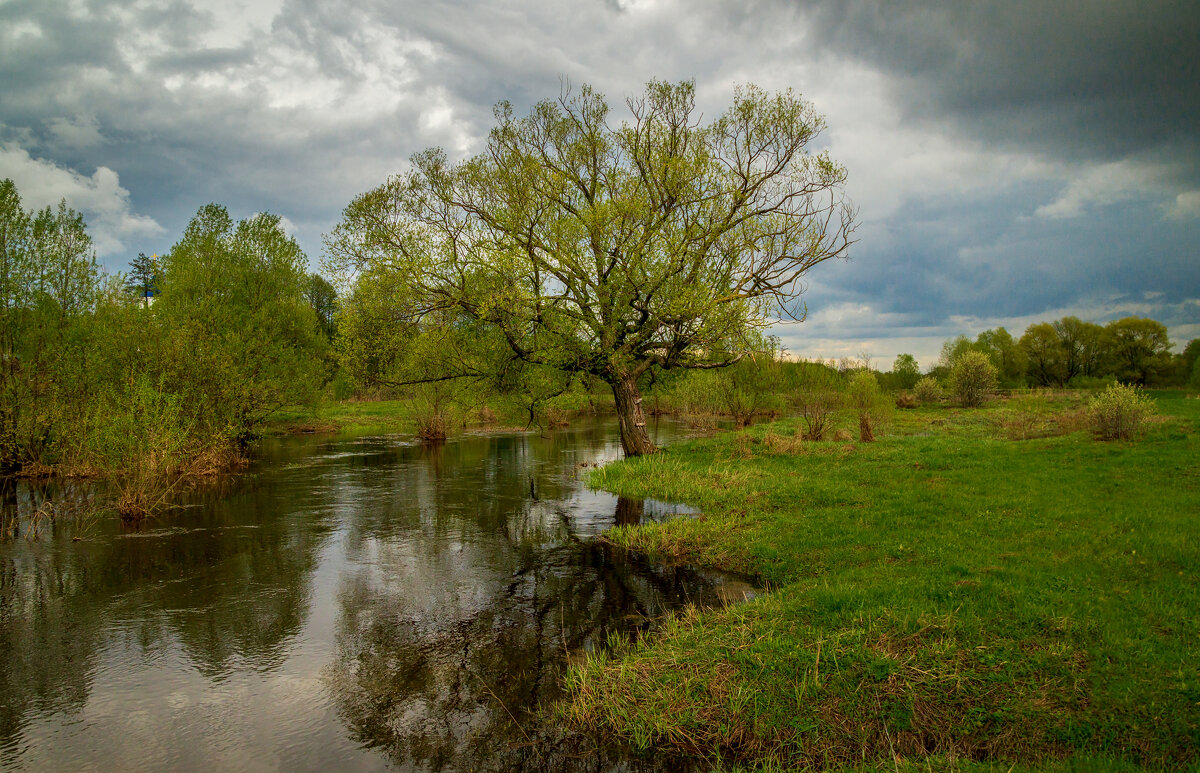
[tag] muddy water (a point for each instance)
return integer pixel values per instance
(353, 603)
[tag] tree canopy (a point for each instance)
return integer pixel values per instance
(907, 371)
(587, 247)
(48, 282)
(243, 338)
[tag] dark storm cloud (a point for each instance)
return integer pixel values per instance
(1088, 79)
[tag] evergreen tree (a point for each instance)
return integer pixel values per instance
(145, 277)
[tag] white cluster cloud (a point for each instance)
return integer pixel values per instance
(1100, 185)
(105, 204)
(1185, 205)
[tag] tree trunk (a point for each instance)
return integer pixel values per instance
(632, 418)
(630, 511)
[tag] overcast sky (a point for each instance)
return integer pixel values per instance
(1012, 161)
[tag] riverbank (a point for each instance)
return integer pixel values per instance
(404, 416)
(361, 602)
(943, 594)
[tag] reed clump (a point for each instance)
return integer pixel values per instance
(432, 427)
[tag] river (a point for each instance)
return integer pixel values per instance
(350, 603)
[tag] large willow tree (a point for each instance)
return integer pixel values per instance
(593, 248)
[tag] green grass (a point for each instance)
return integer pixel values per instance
(942, 598)
(401, 415)
(397, 415)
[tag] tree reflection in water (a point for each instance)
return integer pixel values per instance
(460, 690)
(347, 593)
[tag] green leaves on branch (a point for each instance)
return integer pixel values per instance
(1119, 412)
(591, 247)
(240, 334)
(49, 284)
(597, 248)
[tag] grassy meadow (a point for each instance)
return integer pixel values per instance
(330, 416)
(951, 596)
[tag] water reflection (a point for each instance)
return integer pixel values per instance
(455, 689)
(357, 603)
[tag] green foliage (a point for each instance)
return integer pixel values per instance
(49, 283)
(1008, 357)
(971, 377)
(1187, 361)
(534, 389)
(695, 398)
(954, 348)
(144, 279)
(242, 339)
(1011, 360)
(871, 406)
(819, 395)
(749, 387)
(1044, 353)
(594, 248)
(906, 371)
(93, 379)
(1081, 344)
(928, 391)
(1138, 348)
(1071, 351)
(1119, 412)
(1091, 382)
(322, 298)
(1194, 381)
(145, 438)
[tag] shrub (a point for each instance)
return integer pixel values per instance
(694, 399)
(743, 391)
(1118, 412)
(818, 408)
(1091, 382)
(906, 400)
(144, 440)
(556, 417)
(971, 376)
(868, 402)
(432, 427)
(1027, 416)
(818, 397)
(928, 391)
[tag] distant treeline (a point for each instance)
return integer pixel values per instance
(1065, 353)
(1071, 352)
